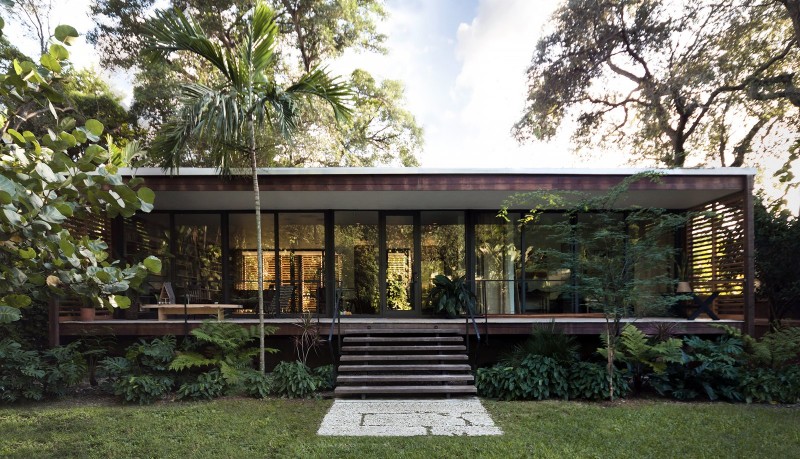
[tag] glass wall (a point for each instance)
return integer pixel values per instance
(497, 256)
(547, 271)
(443, 247)
(145, 235)
(399, 262)
(301, 252)
(197, 267)
(244, 258)
(528, 268)
(356, 242)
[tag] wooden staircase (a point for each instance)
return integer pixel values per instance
(397, 361)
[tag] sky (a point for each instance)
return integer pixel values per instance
(463, 64)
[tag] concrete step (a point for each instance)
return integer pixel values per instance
(369, 348)
(407, 378)
(403, 339)
(407, 390)
(406, 367)
(381, 358)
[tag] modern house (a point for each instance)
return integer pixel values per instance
(371, 239)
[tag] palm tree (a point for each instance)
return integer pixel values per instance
(223, 117)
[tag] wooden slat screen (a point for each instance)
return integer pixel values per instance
(715, 244)
(95, 227)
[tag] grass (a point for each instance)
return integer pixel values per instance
(287, 428)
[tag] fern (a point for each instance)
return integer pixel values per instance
(188, 360)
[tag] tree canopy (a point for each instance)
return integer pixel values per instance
(310, 32)
(679, 83)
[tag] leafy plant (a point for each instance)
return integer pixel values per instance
(143, 375)
(619, 257)
(33, 375)
(451, 296)
(49, 180)
(536, 378)
(769, 385)
(326, 375)
(547, 341)
(707, 367)
(206, 386)
(777, 348)
(588, 380)
(223, 347)
(256, 384)
(643, 356)
(297, 380)
(309, 338)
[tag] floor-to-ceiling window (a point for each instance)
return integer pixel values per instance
(145, 235)
(443, 247)
(357, 266)
(244, 258)
(400, 262)
(497, 256)
(301, 251)
(197, 262)
(547, 272)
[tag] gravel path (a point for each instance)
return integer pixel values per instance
(390, 418)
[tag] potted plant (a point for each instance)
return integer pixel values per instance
(450, 297)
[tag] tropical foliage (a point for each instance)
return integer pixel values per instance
(244, 97)
(451, 296)
(618, 255)
(34, 375)
(48, 183)
(310, 32)
(777, 240)
(223, 353)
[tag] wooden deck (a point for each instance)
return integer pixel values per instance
(501, 325)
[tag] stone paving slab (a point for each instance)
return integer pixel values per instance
(405, 418)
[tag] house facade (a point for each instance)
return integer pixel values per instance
(368, 241)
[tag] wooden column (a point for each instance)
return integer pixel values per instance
(749, 257)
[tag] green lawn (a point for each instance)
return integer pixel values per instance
(287, 428)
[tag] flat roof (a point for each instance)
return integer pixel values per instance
(304, 171)
(376, 188)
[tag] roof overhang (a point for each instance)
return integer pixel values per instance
(197, 189)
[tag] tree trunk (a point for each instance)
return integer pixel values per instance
(259, 249)
(610, 363)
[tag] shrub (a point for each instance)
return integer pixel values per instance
(205, 386)
(326, 376)
(142, 376)
(536, 378)
(644, 356)
(296, 380)
(546, 341)
(20, 373)
(768, 385)
(706, 367)
(255, 384)
(223, 353)
(64, 367)
(588, 380)
(31, 375)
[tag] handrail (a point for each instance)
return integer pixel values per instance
(336, 318)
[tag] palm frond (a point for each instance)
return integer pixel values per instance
(211, 116)
(334, 91)
(264, 33)
(171, 31)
